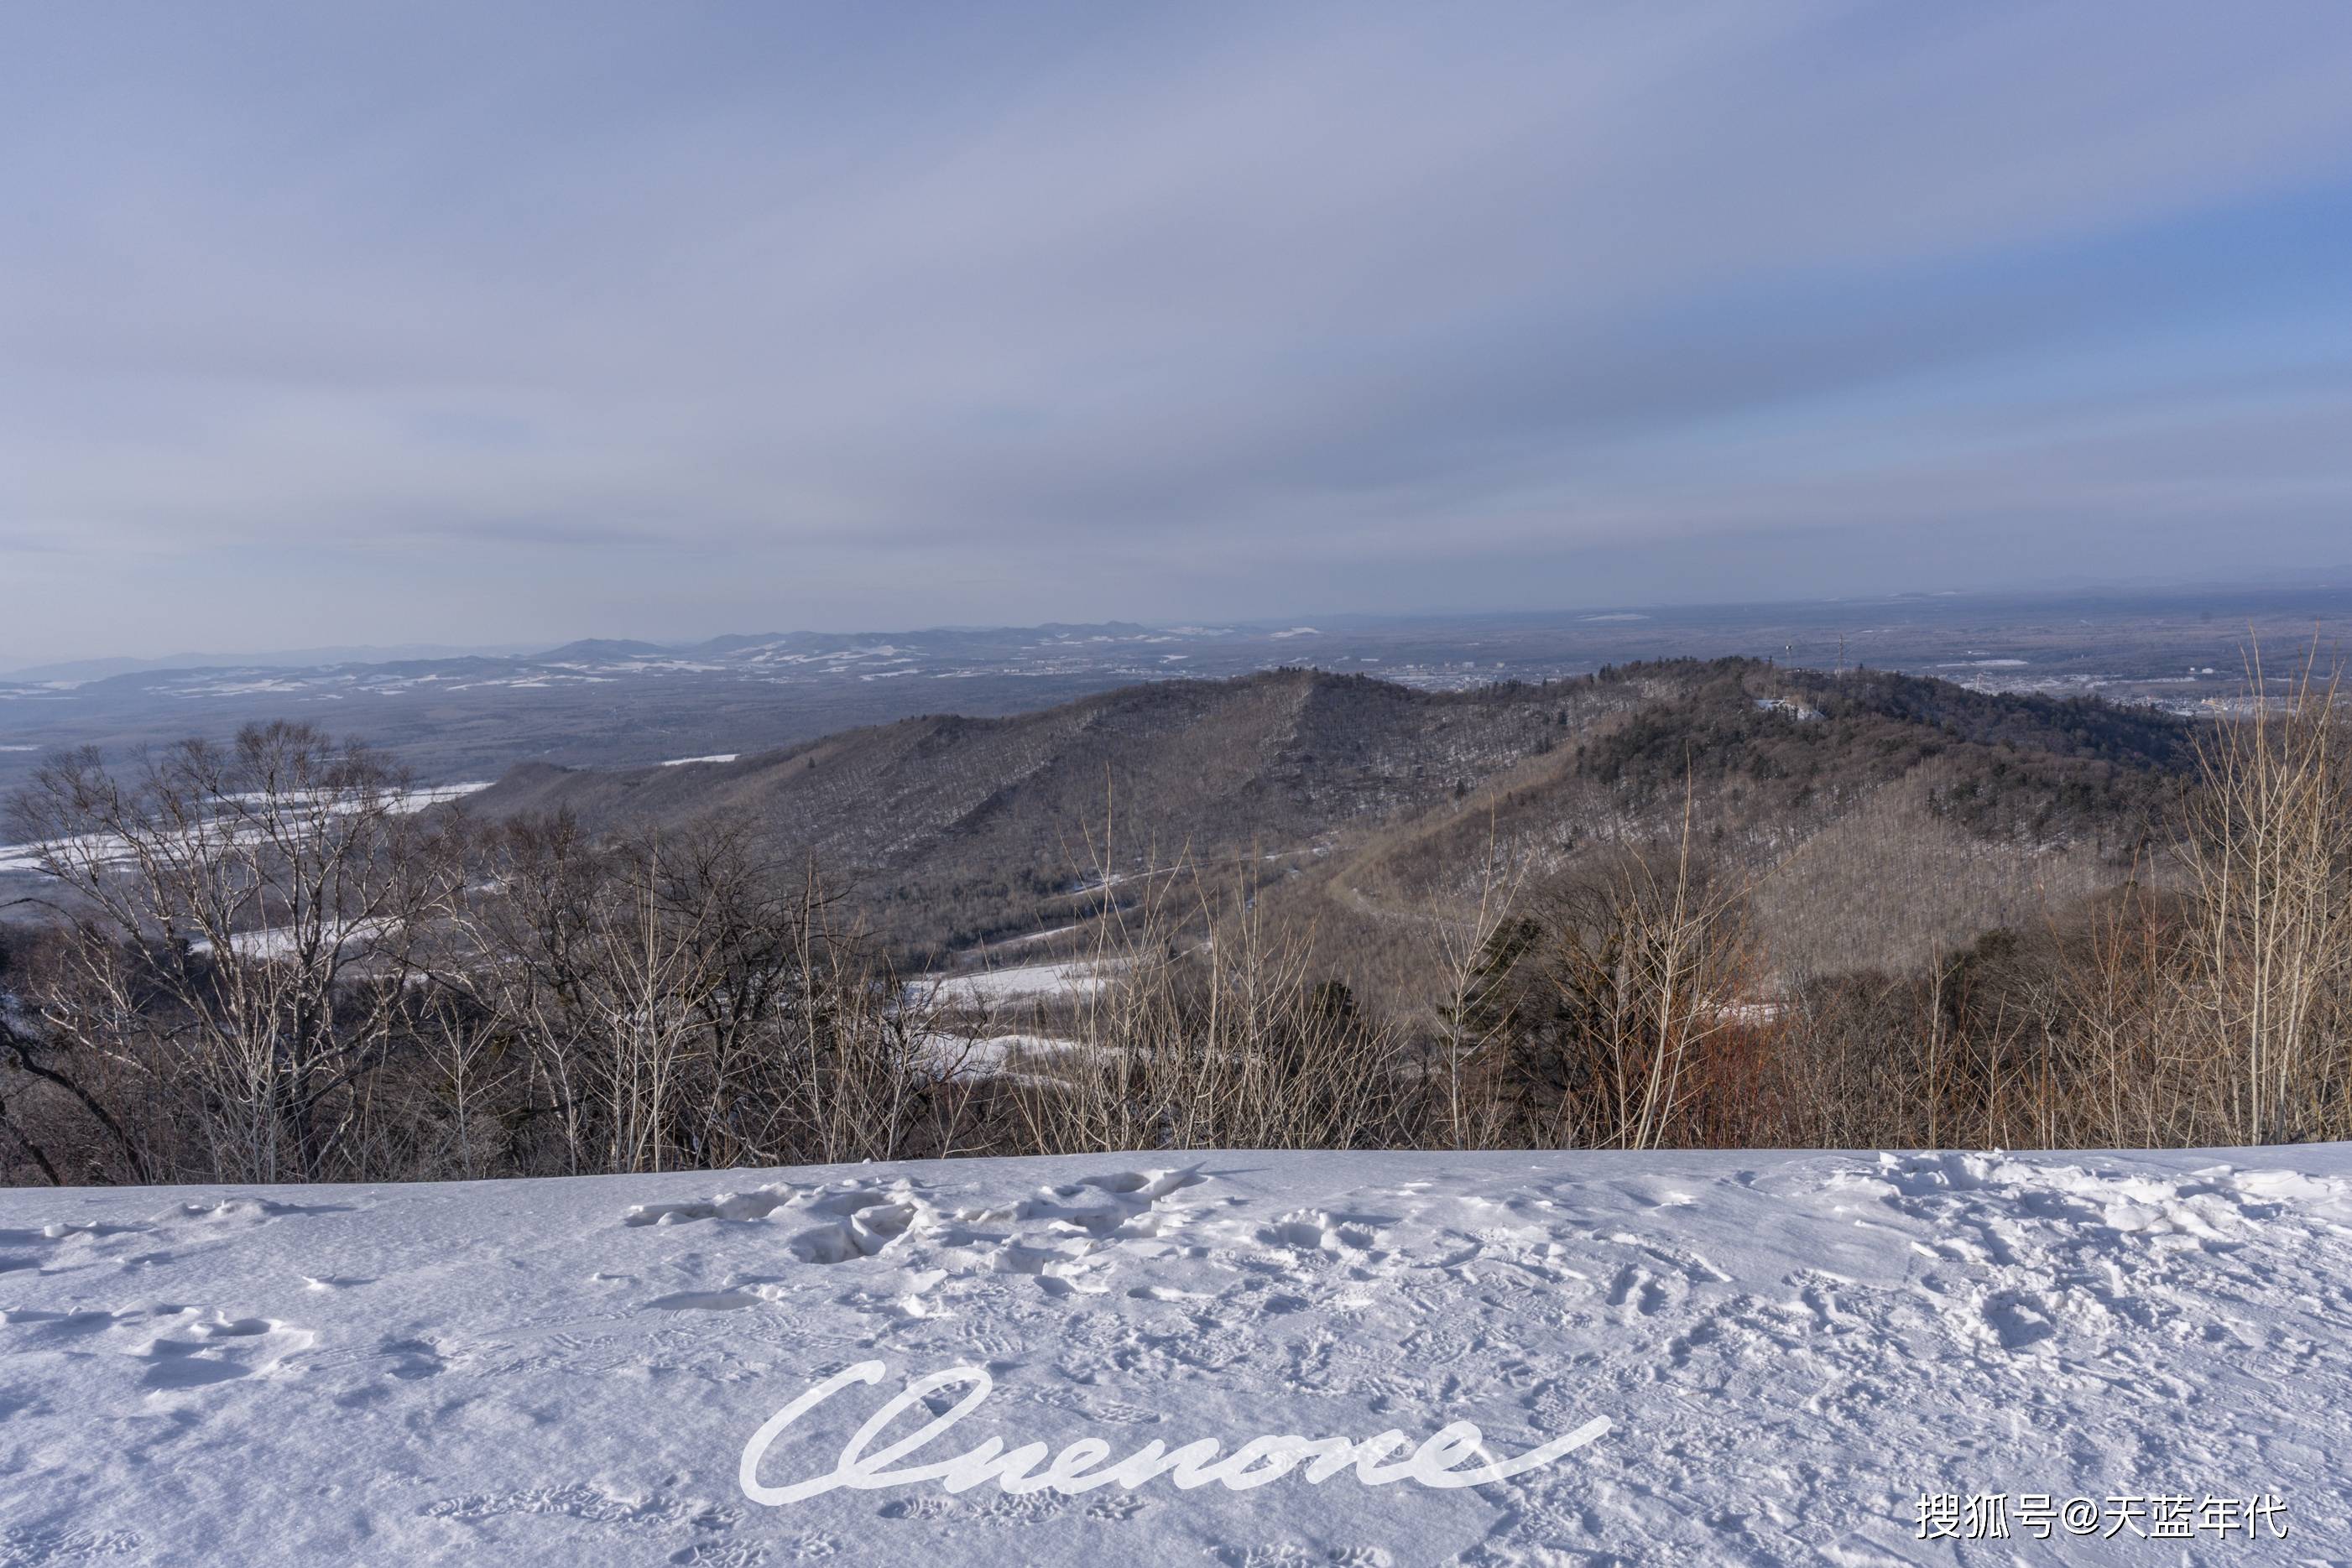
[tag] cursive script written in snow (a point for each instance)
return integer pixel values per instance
(1082, 1466)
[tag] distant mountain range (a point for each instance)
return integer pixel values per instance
(460, 714)
(2329, 583)
(615, 702)
(282, 658)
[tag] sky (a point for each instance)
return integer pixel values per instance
(400, 323)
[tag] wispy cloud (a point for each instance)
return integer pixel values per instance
(822, 315)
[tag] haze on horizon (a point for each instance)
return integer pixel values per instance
(474, 325)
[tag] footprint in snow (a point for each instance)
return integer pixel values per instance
(1638, 1292)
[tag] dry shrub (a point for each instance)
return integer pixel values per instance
(2269, 850)
(1624, 1007)
(1209, 1030)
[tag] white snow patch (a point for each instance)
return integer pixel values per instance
(955, 1056)
(279, 941)
(1022, 982)
(106, 848)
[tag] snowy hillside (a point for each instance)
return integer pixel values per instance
(1788, 1349)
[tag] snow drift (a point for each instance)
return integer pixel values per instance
(1790, 1351)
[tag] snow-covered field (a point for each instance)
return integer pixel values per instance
(1788, 1351)
(982, 989)
(106, 848)
(963, 1056)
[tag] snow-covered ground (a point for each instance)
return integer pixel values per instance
(106, 848)
(963, 1056)
(1788, 1351)
(279, 941)
(982, 989)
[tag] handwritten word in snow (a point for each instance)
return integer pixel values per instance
(1080, 1467)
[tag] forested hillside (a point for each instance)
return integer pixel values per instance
(1947, 809)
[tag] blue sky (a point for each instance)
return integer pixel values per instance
(496, 323)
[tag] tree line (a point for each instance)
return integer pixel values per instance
(261, 962)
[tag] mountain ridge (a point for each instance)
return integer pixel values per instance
(958, 829)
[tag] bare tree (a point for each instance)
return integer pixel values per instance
(686, 1001)
(2269, 858)
(1646, 990)
(224, 905)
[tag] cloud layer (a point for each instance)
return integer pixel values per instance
(395, 323)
